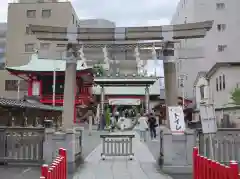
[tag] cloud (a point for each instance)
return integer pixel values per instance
(123, 12)
(3, 10)
(128, 12)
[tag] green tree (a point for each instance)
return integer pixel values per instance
(235, 96)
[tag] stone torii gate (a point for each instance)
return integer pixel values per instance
(168, 34)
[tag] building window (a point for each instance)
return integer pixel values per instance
(220, 83)
(221, 27)
(224, 83)
(28, 31)
(11, 85)
(31, 13)
(202, 91)
(29, 47)
(220, 6)
(46, 13)
(216, 84)
(44, 46)
(221, 48)
(14, 85)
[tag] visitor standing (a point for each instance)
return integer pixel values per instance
(116, 114)
(152, 122)
(143, 126)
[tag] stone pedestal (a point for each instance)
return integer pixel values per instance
(71, 140)
(177, 151)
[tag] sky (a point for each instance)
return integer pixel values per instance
(122, 12)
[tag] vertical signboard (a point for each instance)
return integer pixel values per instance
(176, 117)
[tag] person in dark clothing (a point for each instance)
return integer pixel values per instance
(152, 122)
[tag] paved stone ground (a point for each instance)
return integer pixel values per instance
(142, 166)
(91, 142)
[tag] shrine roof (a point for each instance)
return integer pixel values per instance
(129, 90)
(5, 102)
(45, 65)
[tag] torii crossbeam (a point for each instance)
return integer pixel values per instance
(181, 31)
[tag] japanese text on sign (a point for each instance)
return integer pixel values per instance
(176, 117)
(208, 118)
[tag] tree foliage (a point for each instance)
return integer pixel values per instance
(235, 96)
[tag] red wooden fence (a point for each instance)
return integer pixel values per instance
(58, 168)
(204, 168)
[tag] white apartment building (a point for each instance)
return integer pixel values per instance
(220, 44)
(216, 87)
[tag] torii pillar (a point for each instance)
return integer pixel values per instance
(170, 79)
(69, 112)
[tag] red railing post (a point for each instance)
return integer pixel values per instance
(50, 176)
(234, 172)
(44, 171)
(61, 168)
(214, 169)
(204, 168)
(63, 153)
(195, 158)
(58, 168)
(54, 172)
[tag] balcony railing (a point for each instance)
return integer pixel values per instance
(59, 99)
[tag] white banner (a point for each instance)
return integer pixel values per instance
(125, 101)
(176, 118)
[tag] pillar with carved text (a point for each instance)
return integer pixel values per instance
(70, 87)
(170, 79)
